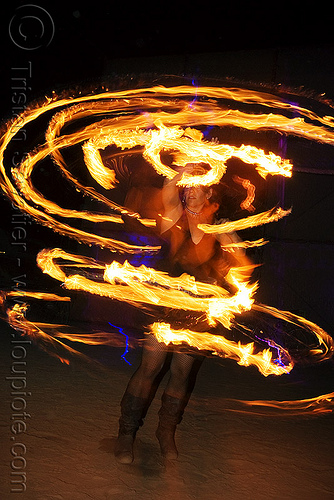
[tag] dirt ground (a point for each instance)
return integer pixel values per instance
(66, 448)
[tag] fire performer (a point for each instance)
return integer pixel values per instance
(193, 252)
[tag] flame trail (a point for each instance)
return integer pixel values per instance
(244, 354)
(250, 188)
(154, 121)
(311, 406)
(252, 221)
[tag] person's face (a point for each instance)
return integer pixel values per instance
(195, 196)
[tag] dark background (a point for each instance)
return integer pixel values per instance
(75, 416)
(267, 45)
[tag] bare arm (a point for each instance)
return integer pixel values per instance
(171, 203)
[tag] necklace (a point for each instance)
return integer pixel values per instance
(196, 214)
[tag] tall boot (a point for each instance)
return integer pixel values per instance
(133, 410)
(170, 415)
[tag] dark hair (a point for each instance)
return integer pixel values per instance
(227, 197)
(217, 193)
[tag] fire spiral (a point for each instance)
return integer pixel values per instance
(156, 122)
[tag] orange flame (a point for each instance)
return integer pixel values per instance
(36, 295)
(250, 188)
(126, 132)
(244, 354)
(325, 348)
(166, 123)
(146, 286)
(252, 221)
(310, 406)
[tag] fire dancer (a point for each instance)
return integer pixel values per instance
(201, 255)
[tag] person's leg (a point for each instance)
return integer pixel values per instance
(138, 396)
(174, 401)
(153, 359)
(180, 370)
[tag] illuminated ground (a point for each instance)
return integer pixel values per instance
(223, 455)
